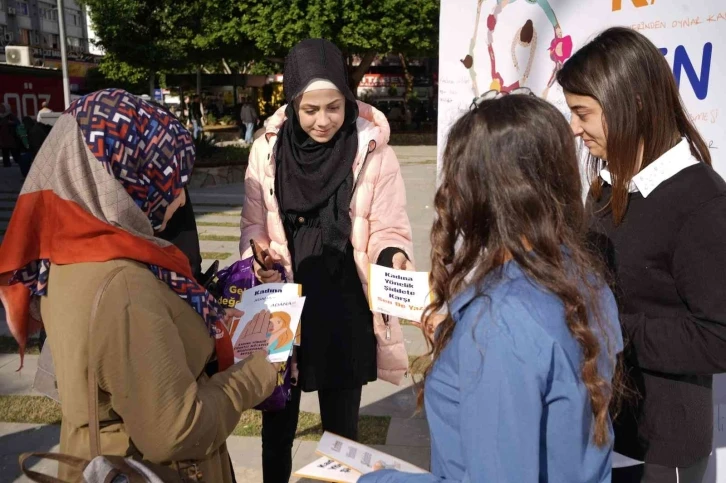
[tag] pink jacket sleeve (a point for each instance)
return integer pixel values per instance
(254, 214)
(389, 223)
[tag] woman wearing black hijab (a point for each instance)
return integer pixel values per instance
(325, 198)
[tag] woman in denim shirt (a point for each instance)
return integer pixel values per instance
(524, 366)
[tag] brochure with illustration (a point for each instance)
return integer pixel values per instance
(399, 293)
(270, 321)
(326, 469)
(359, 457)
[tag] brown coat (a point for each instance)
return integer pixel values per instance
(151, 347)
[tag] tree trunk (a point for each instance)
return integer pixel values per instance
(357, 74)
(199, 81)
(152, 83)
(408, 79)
(227, 70)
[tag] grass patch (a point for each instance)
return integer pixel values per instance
(417, 364)
(223, 238)
(42, 410)
(413, 138)
(216, 213)
(29, 409)
(9, 346)
(226, 205)
(217, 156)
(215, 255)
(226, 224)
(371, 429)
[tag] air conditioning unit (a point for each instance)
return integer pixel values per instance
(18, 55)
(11, 11)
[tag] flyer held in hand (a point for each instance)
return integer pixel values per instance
(270, 321)
(399, 293)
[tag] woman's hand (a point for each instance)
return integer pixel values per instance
(294, 371)
(268, 274)
(231, 318)
(400, 262)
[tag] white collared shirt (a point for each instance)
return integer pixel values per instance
(672, 162)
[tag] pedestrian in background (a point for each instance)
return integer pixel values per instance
(196, 113)
(248, 116)
(44, 109)
(9, 142)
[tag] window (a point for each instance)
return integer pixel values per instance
(48, 11)
(50, 41)
(22, 8)
(75, 44)
(24, 37)
(73, 17)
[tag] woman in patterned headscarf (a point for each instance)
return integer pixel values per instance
(110, 175)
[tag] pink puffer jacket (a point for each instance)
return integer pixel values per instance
(378, 211)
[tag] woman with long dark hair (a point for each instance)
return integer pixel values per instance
(660, 222)
(523, 366)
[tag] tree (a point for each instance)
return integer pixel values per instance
(361, 29)
(152, 35)
(116, 74)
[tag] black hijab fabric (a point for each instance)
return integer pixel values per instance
(314, 179)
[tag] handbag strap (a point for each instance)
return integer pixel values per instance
(69, 460)
(94, 425)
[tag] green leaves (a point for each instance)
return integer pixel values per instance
(173, 35)
(356, 26)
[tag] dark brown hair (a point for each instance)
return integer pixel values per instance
(511, 187)
(631, 80)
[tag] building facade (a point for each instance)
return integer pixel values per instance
(34, 23)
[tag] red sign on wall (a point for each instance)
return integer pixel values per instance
(25, 89)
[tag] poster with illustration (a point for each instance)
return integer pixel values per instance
(270, 321)
(505, 44)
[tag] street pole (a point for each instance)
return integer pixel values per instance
(64, 54)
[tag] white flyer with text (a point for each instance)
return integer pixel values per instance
(359, 457)
(398, 293)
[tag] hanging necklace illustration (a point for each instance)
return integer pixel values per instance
(560, 48)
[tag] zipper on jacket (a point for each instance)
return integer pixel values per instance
(388, 326)
(362, 166)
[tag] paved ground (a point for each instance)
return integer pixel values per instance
(408, 434)
(218, 208)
